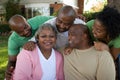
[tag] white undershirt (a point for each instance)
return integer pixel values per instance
(48, 66)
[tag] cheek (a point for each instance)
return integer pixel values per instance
(74, 40)
(40, 40)
(57, 23)
(98, 35)
(68, 27)
(54, 40)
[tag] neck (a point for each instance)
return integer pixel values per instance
(84, 45)
(46, 53)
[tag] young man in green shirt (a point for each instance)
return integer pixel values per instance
(23, 30)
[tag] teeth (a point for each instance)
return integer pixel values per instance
(47, 43)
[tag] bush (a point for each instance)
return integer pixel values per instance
(90, 15)
(4, 28)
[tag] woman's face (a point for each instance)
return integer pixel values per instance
(99, 30)
(46, 39)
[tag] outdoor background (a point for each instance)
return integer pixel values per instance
(90, 9)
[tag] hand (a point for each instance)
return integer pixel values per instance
(80, 16)
(30, 46)
(67, 50)
(101, 46)
(8, 73)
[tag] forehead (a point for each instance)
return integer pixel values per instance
(75, 29)
(46, 30)
(18, 20)
(98, 24)
(66, 19)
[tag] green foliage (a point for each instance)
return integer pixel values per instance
(12, 8)
(90, 15)
(4, 28)
(55, 14)
(3, 56)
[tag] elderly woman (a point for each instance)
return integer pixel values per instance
(43, 63)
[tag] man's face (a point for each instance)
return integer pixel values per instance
(63, 23)
(22, 28)
(99, 30)
(74, 37)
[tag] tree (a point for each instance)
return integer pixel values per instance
(81, 6)
(12, 7)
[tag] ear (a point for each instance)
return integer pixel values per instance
(85, 37)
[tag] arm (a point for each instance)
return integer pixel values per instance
(12, 52)
(80, 16)
(10, 67)
(23, 68)
(61, 70)
(106, 67)
(30, 45)
(115, 52)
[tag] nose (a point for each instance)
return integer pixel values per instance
(48, 38)
(62, 25)
(69, 37)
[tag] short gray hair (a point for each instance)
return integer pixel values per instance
(44, 26)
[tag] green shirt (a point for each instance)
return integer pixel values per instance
(113, 43)
(16, 42)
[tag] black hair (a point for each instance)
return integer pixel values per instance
(110, 19)
(67, 10)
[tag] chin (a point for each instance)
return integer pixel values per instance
(28, 35)
(61, 30)
(72, 46)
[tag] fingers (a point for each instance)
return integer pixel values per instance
(101, 46)
(97, 46)
(67, 51)
(8, 73)
(30, 46)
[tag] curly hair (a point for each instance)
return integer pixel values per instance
(110, 18)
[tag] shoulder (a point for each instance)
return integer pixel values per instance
(115, 42)
(58, 54)
(90, 23)
(104, 56)
(51, 21)
(29, 53)
(103, 53)
(40, 18)
(14, 38)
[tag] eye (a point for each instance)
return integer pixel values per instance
(66, 24)
(59, 21)
(43, 36)
(25, 26)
